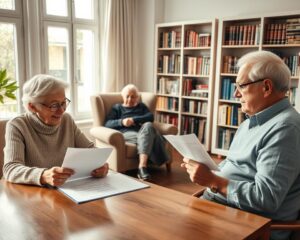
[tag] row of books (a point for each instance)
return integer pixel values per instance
(194, 125)
(191, 84)
(230, 64)
(230, 115)
(194, 106)
(227, 89)
(170, 39)
(293, 31)
(169, 63)
(194, 39)
(242, 34)
(196, 65)
(275, 33)
(225, 138)
(167, 103)
(167, 118)
(293, 62)
(166, 85)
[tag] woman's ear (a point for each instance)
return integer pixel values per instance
(32, 108)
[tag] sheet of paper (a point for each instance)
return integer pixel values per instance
(88, 189)
(190, 147)
(84, 160)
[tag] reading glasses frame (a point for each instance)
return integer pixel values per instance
(56, 106)
(243, 85)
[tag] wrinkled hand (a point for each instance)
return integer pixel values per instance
(100, 172)
(127, 122)
(56, 176)
(199, 173)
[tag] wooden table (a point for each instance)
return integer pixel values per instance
(29, 212)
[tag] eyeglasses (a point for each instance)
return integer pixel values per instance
(243, 85)
(56, 106)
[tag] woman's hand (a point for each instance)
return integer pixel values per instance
(56, 176)
(100, 172)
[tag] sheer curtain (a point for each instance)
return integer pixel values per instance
(119, 42)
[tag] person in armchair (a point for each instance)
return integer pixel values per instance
(134, 120)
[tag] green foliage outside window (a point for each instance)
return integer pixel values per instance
(8, 87)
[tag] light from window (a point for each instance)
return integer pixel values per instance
(57, 7)
(84, 9)
(58, 52)
(8, 60)
(85, 68)
(7, 4)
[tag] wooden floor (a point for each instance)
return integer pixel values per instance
(176, 179)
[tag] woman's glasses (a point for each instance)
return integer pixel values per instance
(56, 106)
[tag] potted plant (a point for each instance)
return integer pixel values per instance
(7, 86)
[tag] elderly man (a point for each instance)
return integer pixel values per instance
(261, 173)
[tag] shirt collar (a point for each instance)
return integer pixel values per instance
(268, 113)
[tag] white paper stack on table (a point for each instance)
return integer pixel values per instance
(82, 187)
(190, 147)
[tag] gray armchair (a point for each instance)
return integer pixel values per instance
(124, 156)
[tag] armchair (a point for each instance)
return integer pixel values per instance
(2, 143)
(124, 156)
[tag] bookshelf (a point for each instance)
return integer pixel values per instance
(237, 36)
(184, 76)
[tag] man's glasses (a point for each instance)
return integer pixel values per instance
(56, 106)
(243, 85)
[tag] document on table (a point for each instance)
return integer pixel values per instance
(88, 189)
(190, 147)
(82, 187)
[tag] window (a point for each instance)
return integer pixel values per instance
(71, 49)
(11, 51)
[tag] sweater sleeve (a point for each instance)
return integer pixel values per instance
(144, 116)
(114, 118)
(14, 169)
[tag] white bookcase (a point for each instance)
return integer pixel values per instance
(238, 36)
(184, 76)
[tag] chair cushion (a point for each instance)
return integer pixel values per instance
(131, 150)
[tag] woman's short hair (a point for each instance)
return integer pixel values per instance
(41, 85)
(263, 65)
(128, 88)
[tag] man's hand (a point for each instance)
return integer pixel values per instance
(100, 172)
(127, 122)
(56, 176)
(202, 175)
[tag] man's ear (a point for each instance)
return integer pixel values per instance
(268, 87)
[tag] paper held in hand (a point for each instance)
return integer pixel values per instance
(82, 187)
(190, 147)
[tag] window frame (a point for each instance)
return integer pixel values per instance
(72, 24)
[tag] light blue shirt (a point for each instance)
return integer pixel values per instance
(263, 164)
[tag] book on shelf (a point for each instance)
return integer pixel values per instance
(247, 34)
(168, 86)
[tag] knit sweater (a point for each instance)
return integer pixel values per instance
(32, 146)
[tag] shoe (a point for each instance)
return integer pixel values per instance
(143, 173)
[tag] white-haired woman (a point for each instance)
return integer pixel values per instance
(36, 142)
(134, 120)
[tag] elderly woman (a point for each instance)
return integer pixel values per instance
(36, 142)
(134, 120)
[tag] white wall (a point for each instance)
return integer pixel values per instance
(151, 12)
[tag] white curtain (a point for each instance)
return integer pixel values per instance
(118, 41)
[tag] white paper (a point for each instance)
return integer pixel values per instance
(84, 160)
(88, 189)
(190, 147)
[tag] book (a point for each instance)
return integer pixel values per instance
(190, 147)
